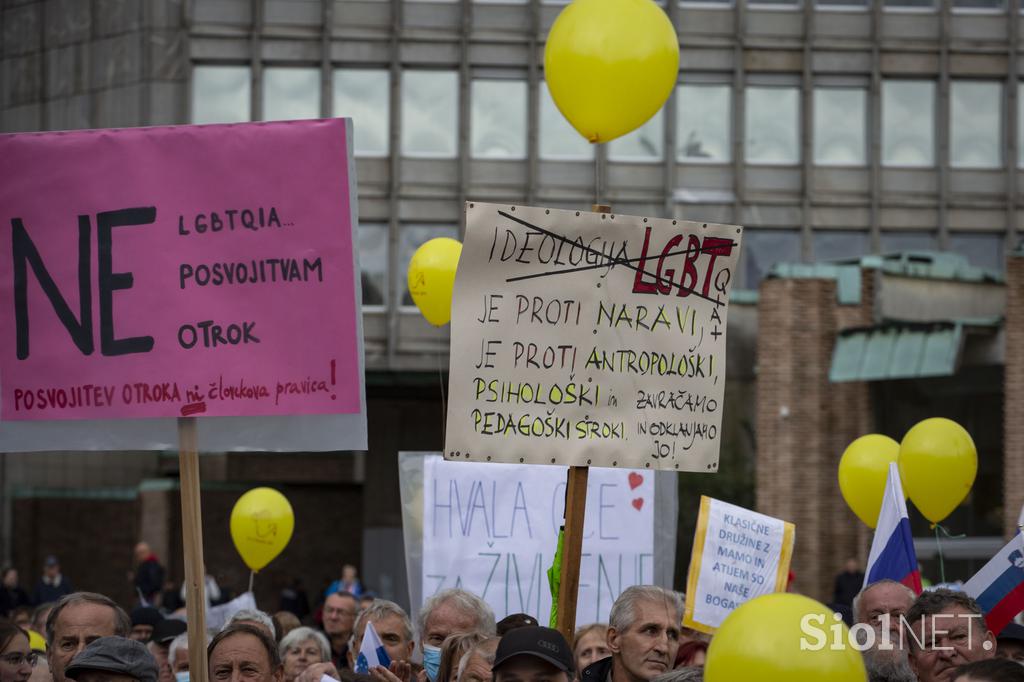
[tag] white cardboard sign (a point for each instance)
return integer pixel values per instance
(589, 339)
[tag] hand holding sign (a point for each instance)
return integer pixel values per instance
(261, 526)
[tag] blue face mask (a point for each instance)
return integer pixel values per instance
(181, 676)
(431, 661)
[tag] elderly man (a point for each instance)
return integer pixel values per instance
(76, 621)
(946, 629)
(446, 613)
(530, 654)
(643, 636)
(244, 652)
(340, 611)
(881, 607)
(177, 657)
(478, 663)
(113, 659)
(393, 626)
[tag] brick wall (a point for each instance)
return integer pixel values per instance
(1013, 422)
(804, 423)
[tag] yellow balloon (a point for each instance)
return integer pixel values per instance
(938, 463)
(610, 65)
(432, 278)
(261, 526)
(863, 471)
(761, 640)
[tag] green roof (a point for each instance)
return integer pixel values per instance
(901, 350)
(846, 276)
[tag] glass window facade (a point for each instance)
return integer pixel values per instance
(364, 95)
(373, 263)
(704, 123)
(840, 126)
(646, 143)
(290, 93)
(498, 125)
(975, 124)
(221, 94)
(908, 123)
(772, 125)
(430, 114)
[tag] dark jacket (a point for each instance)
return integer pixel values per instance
(46, 593)
(12, 599)
(149, 578)
(598, 671)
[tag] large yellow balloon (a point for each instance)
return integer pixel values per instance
(761, 640)
(261, 526)
(611, 64)
(432, 278)
(938, 463)
(863, 471)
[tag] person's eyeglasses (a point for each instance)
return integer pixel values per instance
(14, 660)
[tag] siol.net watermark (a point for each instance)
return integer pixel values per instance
(945, 627)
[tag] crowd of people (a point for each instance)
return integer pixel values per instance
(939, 636)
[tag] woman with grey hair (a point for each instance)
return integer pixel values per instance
(301, 648)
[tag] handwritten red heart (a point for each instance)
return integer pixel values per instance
(635, 480)
(638, 503)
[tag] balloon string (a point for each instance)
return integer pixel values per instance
(444, 406)
(252, 577)
(938, 544)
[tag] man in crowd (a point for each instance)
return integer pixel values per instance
(946, 629)
(446, 613)
(76, 621)
(848, 583)
(177, 657)
(149, 574)
(144, 619)
(393, 626)
(1010, 643)
(243, 652)
(881, 606)
(113, 659)
(477, 665)
(643, 636)
(339, 612)
(531, 654)
(255, 618)
(52, 585)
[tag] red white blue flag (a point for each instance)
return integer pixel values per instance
(892, 551)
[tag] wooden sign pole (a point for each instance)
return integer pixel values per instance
(572, 542)
(192, 538)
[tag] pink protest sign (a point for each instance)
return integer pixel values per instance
(192, 270)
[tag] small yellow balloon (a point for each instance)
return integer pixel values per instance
(761, 640)
(261, 526)
(610, 65)
(938, 463)
(432, 278)
(863, 471)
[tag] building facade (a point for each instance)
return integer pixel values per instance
(830, 129)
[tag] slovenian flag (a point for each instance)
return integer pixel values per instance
(371, 651)
(892, 551)
(999, 586)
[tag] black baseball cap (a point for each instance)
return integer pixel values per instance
(115, 655)
(516, 620)
(146, 615)
(543, 643)
(167, 629)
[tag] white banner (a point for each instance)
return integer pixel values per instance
(738, 554)
(589, 339)
(493, 528)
